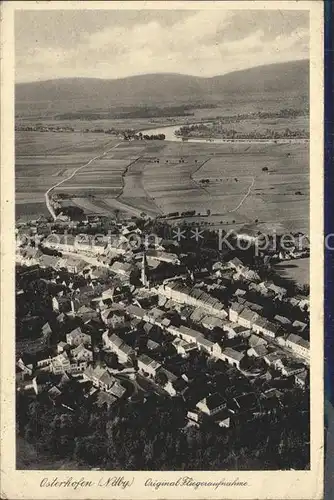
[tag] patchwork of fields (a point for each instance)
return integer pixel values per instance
(42, 159)
(226, 181)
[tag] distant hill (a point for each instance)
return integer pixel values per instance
(283, 80)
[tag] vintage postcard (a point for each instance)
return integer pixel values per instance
(162, 250)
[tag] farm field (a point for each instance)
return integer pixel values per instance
(168, 177)
(225, 183)
(42, 159)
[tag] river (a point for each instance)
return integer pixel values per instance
(169, 132)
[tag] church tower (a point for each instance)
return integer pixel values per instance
(144, 271)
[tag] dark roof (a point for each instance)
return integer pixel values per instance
(116, 340)
(245, 401)
(214, 400)
(105, 399)
(231, 353)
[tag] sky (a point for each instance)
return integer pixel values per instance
(115, 44)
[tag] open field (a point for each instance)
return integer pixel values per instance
(225, 181)
(168, 177)
(296, 270)
(43, 159)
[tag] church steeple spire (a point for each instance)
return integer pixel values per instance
(144, 271)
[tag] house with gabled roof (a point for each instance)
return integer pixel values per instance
(254, 307)
(136, 312)
(257, 351)
(86, 313)
(54, 394)
(197, 315)
(232, 357)
(234, 311)
(81, 353)
(274, 359)
(175, 386)
(100, 377)
(105, 399)
(72, 264)
(211, 404)
(148, 365)
(248, 274)
(217, 349)
(211, 322)
(301, 379)
(205, 344)
(265, 327)
(244, 403)
(117, 389)
(60, 364)
(255, 340)
(152, 345)
(233, 330)
(26, 366)
(298, 345)
(77, 337)
(225, 419)
(62, 318)
(61, 347)
(124, 352)
(113, 317)
(247, 317)
(282, 320)
(188, 334)
(195, 417)
(291, 368)
(235, 263)
(184, 348)
(123, 269)
(279, 291)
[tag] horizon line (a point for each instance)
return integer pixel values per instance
(157, 73)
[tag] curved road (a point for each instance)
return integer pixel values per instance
(47, 199)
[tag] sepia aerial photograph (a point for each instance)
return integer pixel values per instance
(162, 241)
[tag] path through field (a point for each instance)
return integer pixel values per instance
(244, 197)
(47, 199)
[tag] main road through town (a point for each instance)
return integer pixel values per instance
(47, 193)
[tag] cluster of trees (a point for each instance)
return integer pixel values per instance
(39, 127)
(283, 113)
(152, 137)
(134, 112)
(215, 129)
(151, 435)
(72, 211)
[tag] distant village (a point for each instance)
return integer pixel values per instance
(123, 321)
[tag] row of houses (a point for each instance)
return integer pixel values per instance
(193, 297)
(250, 319)
(86, 244)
